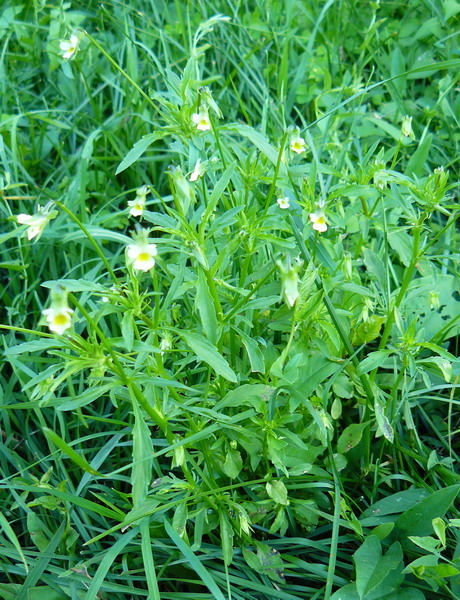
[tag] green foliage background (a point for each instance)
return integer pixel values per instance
(196, 434)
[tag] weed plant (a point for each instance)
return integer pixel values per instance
(230, 300)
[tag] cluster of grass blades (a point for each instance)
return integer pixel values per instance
(230, 300)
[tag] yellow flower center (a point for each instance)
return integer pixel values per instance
(144, 256)
(138, 206)
(204, 122)
(321, 220)
(60, 319)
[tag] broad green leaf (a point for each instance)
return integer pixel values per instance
(226, 536)
(370, 576)
(142, 458)
(75, 285)
(205, 306)
(439, 527)
(217, 192)
(127, 329)
(428, 543)
(368, 330)
(416, 163)
(84, 398)
(233, 463)
(247, 394)
(138, 149)
(35, 346)
(255, 354)
(36, 529)
(396, 503)
(451, 8)
(267, 561)
(262, 143)
(277, 491)
(375, 267)
(348, 592)
(373, 360)
(208, 353)
(417, 520)
(350, 437)
(10, 591)
(179, 521)
(401, 242)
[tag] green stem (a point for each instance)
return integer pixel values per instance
(395, 157)
(90, 238)
(335, 529)
(131, 81)
(242, 302)
(275, 176)
(215, 297)
(153, 412)
(402, 291)
(333, 315)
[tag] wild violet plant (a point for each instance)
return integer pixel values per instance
(238, 355)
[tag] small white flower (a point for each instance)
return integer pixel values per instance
(142, 255)
(319, 221)
(298, 145)
(197, 171)
(381, 179)
(201, 120)
(284, 202)
(137, 206)
(104, 299)
(143, 190)
(434, 300)
(35, 223)
(406, 127)
(69, 47)
(166, 343)
(58, 318)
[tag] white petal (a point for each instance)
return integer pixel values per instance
(33, 231)
(24, 219)
(65, 46)
(152, 249)
(321, 227)
(144, 265)
(134, 251)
